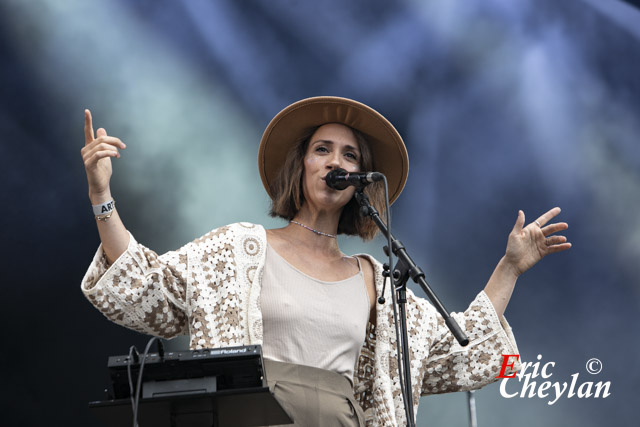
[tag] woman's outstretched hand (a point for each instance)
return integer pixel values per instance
(96, 154)
(528, 245)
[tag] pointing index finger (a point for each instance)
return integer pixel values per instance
(88, 127)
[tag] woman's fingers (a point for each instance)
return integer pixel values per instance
(101, 136)
(112, 140)
(554, 228)
(553, 248)
(102, 142)
(101, 133)
(517, 227)
(111, 146)
(100, 155)
(555, 240)
(88, 127)
(547, 216)
(91, 159)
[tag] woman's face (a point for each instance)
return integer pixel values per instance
(332, 146)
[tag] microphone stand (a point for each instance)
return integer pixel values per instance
(405, 268)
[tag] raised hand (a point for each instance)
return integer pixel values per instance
(96, 154)
(528, 245)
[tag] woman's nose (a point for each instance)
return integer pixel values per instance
(333, 162)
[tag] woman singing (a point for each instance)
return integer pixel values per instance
(329, 347)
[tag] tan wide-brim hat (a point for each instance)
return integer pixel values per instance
(387, 148)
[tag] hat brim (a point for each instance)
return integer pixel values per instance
(387, 147)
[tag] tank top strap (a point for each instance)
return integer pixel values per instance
(359, 265)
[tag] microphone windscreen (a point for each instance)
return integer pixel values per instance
(332, 180)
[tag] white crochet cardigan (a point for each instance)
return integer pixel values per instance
(210, 290)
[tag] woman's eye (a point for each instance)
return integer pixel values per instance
(352, 156)
(322, 149)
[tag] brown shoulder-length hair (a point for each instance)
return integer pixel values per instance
(288, 197)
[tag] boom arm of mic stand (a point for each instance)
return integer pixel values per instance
(414, 271)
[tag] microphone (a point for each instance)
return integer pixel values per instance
(339, 179)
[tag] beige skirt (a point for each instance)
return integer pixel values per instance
(312, 396)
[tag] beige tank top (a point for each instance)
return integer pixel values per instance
(312, 322)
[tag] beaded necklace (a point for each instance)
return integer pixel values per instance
(333, 236)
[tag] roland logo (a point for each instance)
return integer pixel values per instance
(228, 351)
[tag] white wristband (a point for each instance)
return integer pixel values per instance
(104, 209)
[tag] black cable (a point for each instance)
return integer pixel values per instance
(129, 363)
(139, 383)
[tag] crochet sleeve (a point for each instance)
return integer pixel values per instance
(141, 290)
(446, 365)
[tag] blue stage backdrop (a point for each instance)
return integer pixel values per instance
(504, 105)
